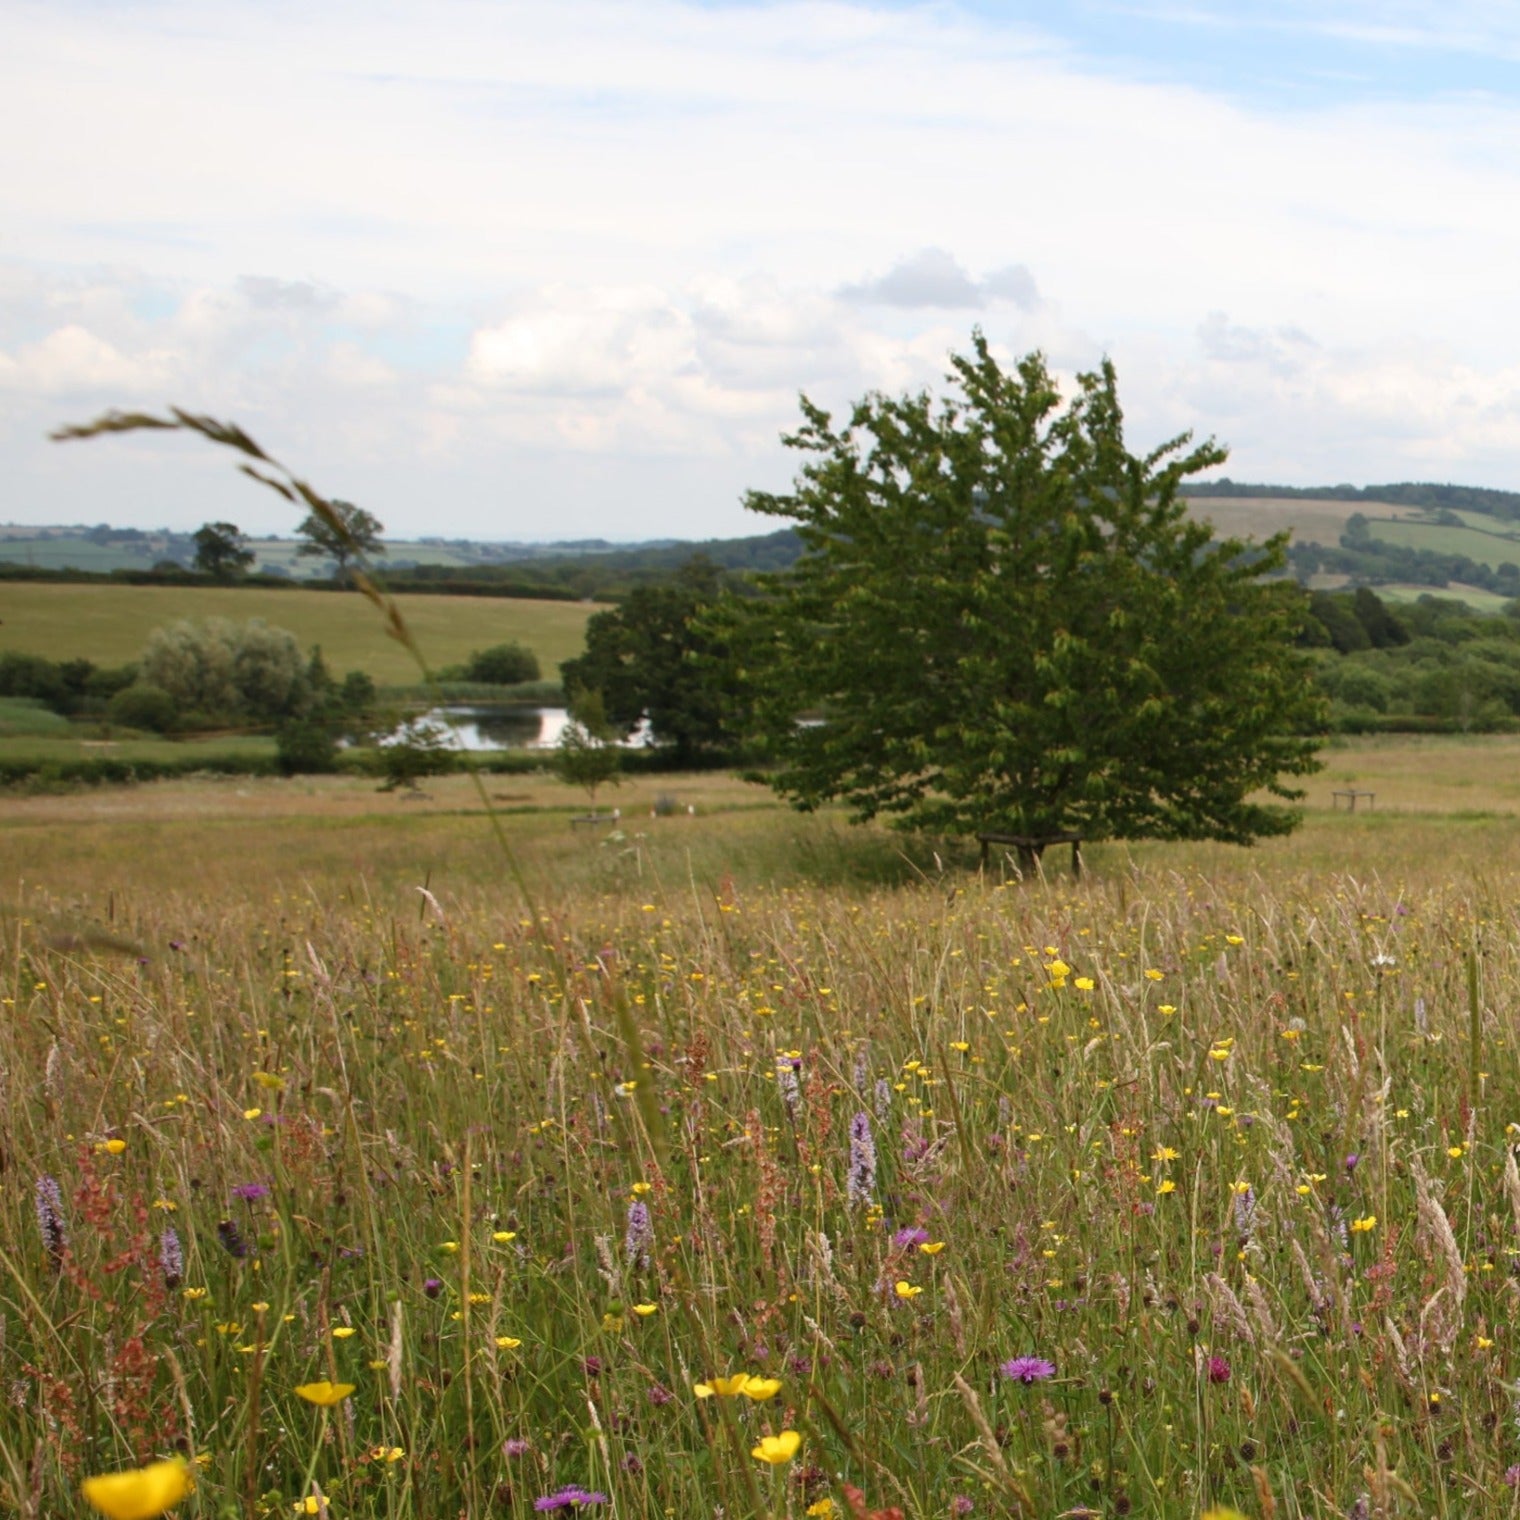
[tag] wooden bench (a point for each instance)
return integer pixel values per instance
(1351, 793)
(1031, 847)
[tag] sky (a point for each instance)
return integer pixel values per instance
(556, 271)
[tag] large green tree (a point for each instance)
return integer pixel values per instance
(343, 533)
(655, 657)
(221, 549)
(1006, 621)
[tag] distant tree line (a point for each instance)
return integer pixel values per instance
(1430, 664)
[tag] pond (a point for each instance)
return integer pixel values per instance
(482, 728)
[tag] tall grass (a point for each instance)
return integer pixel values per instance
(1226, 1174)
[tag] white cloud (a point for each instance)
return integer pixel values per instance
(514, 244)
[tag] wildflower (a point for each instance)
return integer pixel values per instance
(638, 1239)
(514, 1446)
(961, 1505)
(1245, 1211)
(171, 1258)
(645, 1310)
(342, 1332)
(50, 1218)
(774, 1449)
(1363, 1225)
(909, 1237)
(571, 1497)
(324, 1394)
(501, 1237)
(787, 1067)
(232, 1242)
(248, 1191)
(1028, 1369)
(1219, 1370)
(659, 1394)
(760, 1389)
(507, 1342)
(883, 1100)
(906, 1289)
(931, 1247)
(140, 1493)
(112, 1147)
(824, 1507)
(861, 1183)
(723, 1387)
(432, 1286)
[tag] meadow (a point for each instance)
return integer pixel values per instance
(109, 624)
(739, 1162)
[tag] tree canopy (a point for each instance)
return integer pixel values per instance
(221, 549)
(350, 534)
(655, 657)
(1003, 620)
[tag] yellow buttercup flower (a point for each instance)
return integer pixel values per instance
(508, 1342)
(931, 1247)
(140, 1493)
(644, 1310)
(1361, 1226)
(774, 1449)
(907, 1290)
(324, 1394)
(747, 1383)
(114, 1147)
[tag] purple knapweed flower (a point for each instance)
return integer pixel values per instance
(1351, 1161)
(514, 1446)
(906, 1239)
(961, 1505)
(573, 1496)
(432, 1286)
(50, 1218)
(248, 1191)
(1028, 1369)
(1219, 1370)
(861, 1182)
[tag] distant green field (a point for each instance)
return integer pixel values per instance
(1485, 548)
(109, 624)
(1479, 600)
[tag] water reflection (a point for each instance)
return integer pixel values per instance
(480, 728)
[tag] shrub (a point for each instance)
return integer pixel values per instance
(502, 665)
(227, 670)
(305, 746)
(144, 706)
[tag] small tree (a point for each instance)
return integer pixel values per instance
(226, 671)
(347, 534)
(656, 657)
(587, 754)
(221, 550)
(1010, 623)
(507, 664)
